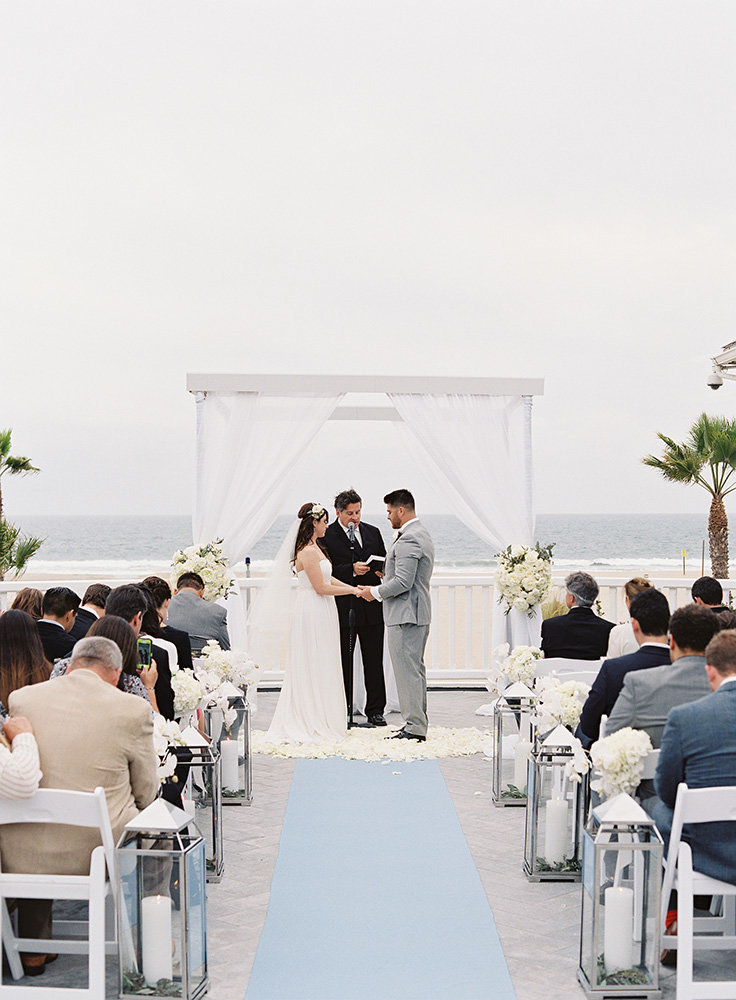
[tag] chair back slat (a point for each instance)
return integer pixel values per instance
(650, 765)
(707, 805)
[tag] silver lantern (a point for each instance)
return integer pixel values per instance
(232, 732)
(556, 809)
(512, 744)
(620, 917)
(162, 914)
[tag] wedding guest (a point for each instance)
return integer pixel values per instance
(151, 628)
(708, 591)
(699, 748)
(89, 735)
(59, 611)
(621, 639)
(580, 634)
(19, 766)
(131, 603)
(726, 619)
(162, 596)
(29, 600)
(93, 607)
(132, 680)
(650, 617)
(202, 619)
(22, 659)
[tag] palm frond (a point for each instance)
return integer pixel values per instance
(26, 548)
(17, 465)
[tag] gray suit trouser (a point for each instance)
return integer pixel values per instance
(406, 644)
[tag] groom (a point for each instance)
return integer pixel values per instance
(407, 609)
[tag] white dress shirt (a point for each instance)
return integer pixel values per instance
(356, 529)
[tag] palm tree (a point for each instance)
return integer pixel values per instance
(708, 458)
(15, 549)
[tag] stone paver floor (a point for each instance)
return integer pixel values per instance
(538, 923)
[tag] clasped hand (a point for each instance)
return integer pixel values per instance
(365, 593)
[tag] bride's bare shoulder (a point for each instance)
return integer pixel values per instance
(308, 556)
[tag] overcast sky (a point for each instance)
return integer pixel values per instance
(474, 188)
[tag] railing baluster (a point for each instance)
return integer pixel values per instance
(468, 628)
(451, 608)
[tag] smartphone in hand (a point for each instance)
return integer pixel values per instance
(145, 653)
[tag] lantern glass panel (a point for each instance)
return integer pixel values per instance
(206, 792)
(234, 743)
(511, 746)
(161, 904)
(554, 818)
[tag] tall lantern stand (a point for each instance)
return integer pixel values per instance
(555, 811)
(203, 796)
(162, 915)
(620, 917)
(512, 727)
(233, 741)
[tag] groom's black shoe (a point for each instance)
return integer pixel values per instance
(376, 720)
(404, 735)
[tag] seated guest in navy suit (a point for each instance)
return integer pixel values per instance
(650, 617)
(707, 591)
(580, 634)
(93, 607)
(59, 611)
(699, 748)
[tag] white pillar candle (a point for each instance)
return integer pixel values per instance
(555, 830)
(521, 754)
(230, 775)
(156, 938)
(618, 927)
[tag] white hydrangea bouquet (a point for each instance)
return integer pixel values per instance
(524, 576)
(231, 665)
(519, 666)
(166, 733)
(560, 703)
(619, 759)
(188, 692)
(210, 563)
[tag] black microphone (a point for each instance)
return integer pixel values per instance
(351, 532)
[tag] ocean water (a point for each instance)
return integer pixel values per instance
(130, 546)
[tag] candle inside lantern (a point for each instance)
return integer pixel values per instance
(230, 775)
(555, 830)
(521, 754)
(618, 927)
(156, 938)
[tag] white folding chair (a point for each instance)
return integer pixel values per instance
(87, 809)
(567, 669)
(698, 805)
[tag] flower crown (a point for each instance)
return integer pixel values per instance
(317, 511)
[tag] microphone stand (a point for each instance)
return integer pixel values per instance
(351, 630)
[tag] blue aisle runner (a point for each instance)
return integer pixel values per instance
(375, 893)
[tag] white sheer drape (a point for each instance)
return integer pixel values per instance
(247, 447)
(479, 449)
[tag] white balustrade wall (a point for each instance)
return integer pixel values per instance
(461, 639)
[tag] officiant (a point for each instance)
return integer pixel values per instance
(350, 544)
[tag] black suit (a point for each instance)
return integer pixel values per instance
(180, 638)
(607, 687)
(82, 624)
(55, 641)
(163, 690)
(368, 614)
(580, 635)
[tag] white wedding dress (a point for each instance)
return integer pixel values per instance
(311, 707)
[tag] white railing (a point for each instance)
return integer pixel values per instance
(461, 639)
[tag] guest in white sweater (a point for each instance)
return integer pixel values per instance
(20, 771)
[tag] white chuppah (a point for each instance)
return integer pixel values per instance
(473, 434)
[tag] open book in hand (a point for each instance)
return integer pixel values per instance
(376, 562)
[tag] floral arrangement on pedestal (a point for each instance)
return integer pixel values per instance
(219, 674)
(519, 666)
(166, 733)
(560, 703)
(524, 576)
(210, 563)
(619, 759)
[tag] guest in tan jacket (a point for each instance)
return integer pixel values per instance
(89, 734)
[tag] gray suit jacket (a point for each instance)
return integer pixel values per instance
(189, 612)
(648, 695)
(408, 570)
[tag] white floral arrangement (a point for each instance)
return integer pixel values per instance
(619, 758)
(560, 703)
(209, 562)
(524, 576)
(188, 691)
(166, 733)
(519, 666)
(232, 665)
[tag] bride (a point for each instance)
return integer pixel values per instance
(311, 707)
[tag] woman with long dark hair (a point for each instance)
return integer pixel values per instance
(311, 707)
(22, 660)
